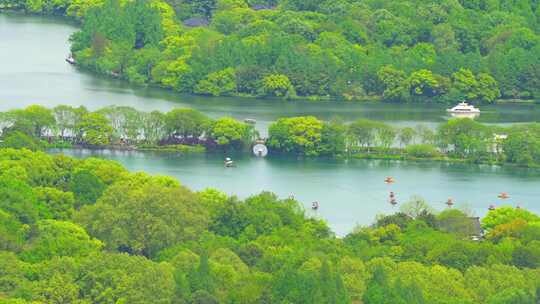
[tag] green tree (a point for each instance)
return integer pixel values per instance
(363, 132)
(228, 132)
(56, 238)
(203, 297)
(153, 126)
(488, 89)
(20, 140)
(94, 129)
(278, 85)
(298, 135)
(386, 135)
(465, 137)
(56, 289)
(406, 136)
(424, 83)
(66, 118)
(522, 147)
(512, 296)
(507, 214)
(59, 204)
(114, 278)
(86, 187)
(17, 198)
(219, 83)
(416, 207)
(494, 279)
(456, 222)
(394, 82)
(527, 256)
(12, 233)
(465, 82)
(201, 277)
(379, 290)
(333, 138)
(143, 216)
(482, 87)
(38, 118)
(186, 123)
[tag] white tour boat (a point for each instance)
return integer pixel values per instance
(464, 109)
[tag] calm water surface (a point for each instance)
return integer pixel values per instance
(349, 192)
(33, 70)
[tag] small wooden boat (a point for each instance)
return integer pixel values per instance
(229, 162)
(392, 198)
(450, 202)
(491, 207)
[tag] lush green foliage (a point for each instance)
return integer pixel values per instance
(300, 135)
(147, 239)
(400, 50)
(457, 139)
(119, 126)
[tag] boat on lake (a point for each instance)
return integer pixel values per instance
(463, 109)
(70, 59)
(229, 162)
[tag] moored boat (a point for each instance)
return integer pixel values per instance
(70, 59)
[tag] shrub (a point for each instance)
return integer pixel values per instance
(422, 151)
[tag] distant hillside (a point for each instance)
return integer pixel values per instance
(438, 51)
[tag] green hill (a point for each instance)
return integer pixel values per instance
(437, 51)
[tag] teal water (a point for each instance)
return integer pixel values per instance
(349, 192)
(33, 70)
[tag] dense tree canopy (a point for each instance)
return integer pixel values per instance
(146, 239)
(190, 130)
(122, 126)
(399, 50)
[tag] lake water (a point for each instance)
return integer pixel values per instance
(33, 70)
(349, 192)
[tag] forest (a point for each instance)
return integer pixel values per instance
(88, 231)
(187, 130)
(399, 51)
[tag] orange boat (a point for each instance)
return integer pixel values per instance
(503, 195)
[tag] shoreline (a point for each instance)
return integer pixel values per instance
(186, 149)
(312, 98)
